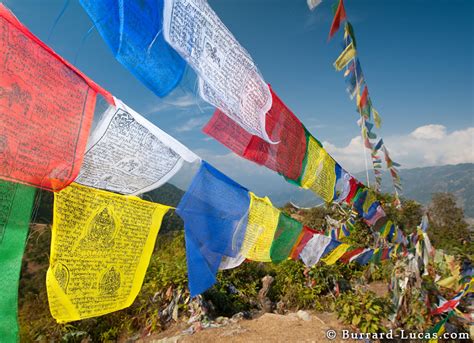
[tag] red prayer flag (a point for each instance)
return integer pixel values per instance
(286, 157)
(46, 110)
(348, 255)
(339, 17)
(305, 235)
(364, 97)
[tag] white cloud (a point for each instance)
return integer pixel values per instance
(432, 131)
(427, 145)
(179, 101)
(191, 124)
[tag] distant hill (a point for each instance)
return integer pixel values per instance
(420, 183)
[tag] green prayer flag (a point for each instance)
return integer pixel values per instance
(286, 235)
(350, 31)
(16, 203)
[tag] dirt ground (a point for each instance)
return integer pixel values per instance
(269, 327)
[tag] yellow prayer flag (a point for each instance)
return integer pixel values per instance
(377, 118)
(345, 57)
(336, 254)
(261, 227)
(386, 229)
(319, 174)
(100, 249)
(369, 200)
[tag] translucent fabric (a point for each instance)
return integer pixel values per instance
(214, 210)
(133, 30)
(100, 249)
(261, 227)
(127, 154)
(286, 236)
(315, 249)
(16, 203)
(286, 157)
(320, 171)
(228, 77)
(46, 110)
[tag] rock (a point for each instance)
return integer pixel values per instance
(222, 320)
(303, 315)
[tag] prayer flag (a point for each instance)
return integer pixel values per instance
(314, 249)
(319, 173)
(286, 236)
(46, 110)
(345, 57)
(262, 224)
(16, 203)
(285, 157)
(214, 210)
(228, 77)
(100, 249)
(133, 30)
(339, 17)
(127, 154)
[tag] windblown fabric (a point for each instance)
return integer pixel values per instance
(214, 210)
(127, 154)
(228, 77)
(320, 171)
(16, 203)
(339, 17)
(133, 30)
(285, 157)
(46, 110)
(345, 57)
(101, 246)
(287, 234)
(314, 249)
(336, 254)
(261, 227)
(312, 4)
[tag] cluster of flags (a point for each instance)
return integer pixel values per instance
(358, 89)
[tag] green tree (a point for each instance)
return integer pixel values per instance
(448, 230)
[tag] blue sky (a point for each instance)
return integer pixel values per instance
(417, 57)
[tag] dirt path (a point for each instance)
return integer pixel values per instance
(267, 328)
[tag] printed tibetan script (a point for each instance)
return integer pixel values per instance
(101, 246)
(46, 110)
(130, 155)
(228, 78)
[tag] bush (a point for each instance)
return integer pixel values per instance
(363, 310)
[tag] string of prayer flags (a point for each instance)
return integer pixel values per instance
(133, 31)
(228, 77)
(214, 210)
(16, 203)
(127, 154)
(339, 17)
(46, 110)
(285, 157)
(100, 249)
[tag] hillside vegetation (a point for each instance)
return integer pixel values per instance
(164, 298)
